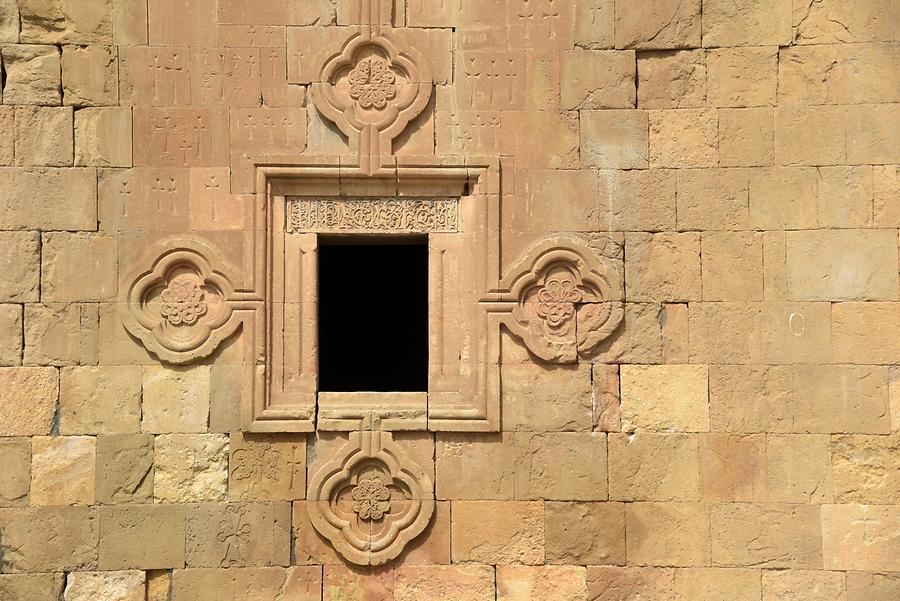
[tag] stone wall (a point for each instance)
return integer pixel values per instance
(736, 437)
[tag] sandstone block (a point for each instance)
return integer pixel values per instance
(894, 394)
(540, 209)
(595, 24)
(808, 135)
(845, 197)
(475, 466)
(103, 137)
(462, 582)
(607, 401)
(90, 75)
(267, 467)
(638, 200)
(259, 584)
(766, 535)
(643, 336)
(665, 397)
(48, 199)
(663, 267)
(611, 583)
(179, 23)
(190, 468)
(725, 332)
(342, 581)
(741, 77)
(683, 138)
(32, 587)
(247, 534)
(671, 79)
(154, 76)
(871, 134)
(614, 139)
(49, 539)
(11, 335)
(866, 332)
(9, 21)
(796, 333)
(536, 399)
(180, 137)
(78, 267)
(20, 266)
(27, 400)
(659, 25)
(565, 466)
(60, 334)
(124, 468)
(861, 537)
(175, 399)
(733, 468)
(836, 22)
(63, 470)
(553, 583)
(746, 23)
(498, 532)
(715, 584)
(713, 199)
(648, 466)
(783, 198)
(15, 456)
(597, 79)
(310, 547)
(559, 148)
(7, 141)
(864, 585)
(159, 528)
(268, 130)
(105, 586)
(866, 469)
(32, 75)
(100, 400)
(130, 22)
(44, 136)
(66, 21)
(799, 467)
(732, 266)
(746, 137)
(806, 585)
(667, 534)
(584, 533)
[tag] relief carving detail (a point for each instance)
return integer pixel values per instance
(391, 214)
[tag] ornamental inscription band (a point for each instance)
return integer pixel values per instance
(393, 214)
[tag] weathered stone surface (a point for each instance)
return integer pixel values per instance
(558, 133)
(124, 468)
(610, 583)
(799, 468)
(90, 75)
(100, 400)
(44, 136)
(664, 266)
(105, 586)
(48, 199)
(32, 75)
(536, 399)
(496, 532)
(866, 333)
(615, 139)
(32, 587)
(746, 23)
(607, 401)
(479, 466)
(246, 534)
(808, 136)
(671, 79)
(565, 466)
(740, 77)
(732, 266)
(61, 334)
(661, 24)
(871, 131)
(733, 468)
(341, 581)
(63, 470)
(866, 469)
(159, 528)
(103, 137)
(683, 138)
(259, 584)
(584, 533)
(667, 534)
(865, 585)
(9, 21)
(267, 467)
(595, 24)
(713, 199)
(665, 397)
(713, 584)
(462, 583)
(766, 535)
(49, 539)
(887, 187)
(78, 267)
(15, 457)
(597, 79)
(61, 21)
(540, 190)
(553, 583)
(861, 537)
(190, 468)
(28, 397)
(7, 142)
(648, 466)
(638, 200)
(20, 266)
(746, 137)
(725, 332)
(808, 585)
(846, 197)
(175, 399)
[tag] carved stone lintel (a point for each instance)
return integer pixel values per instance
(372, 214)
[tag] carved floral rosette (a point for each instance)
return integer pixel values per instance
(370, 499)
(565, 300)
(180, 308)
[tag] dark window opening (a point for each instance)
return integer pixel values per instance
(373, 314)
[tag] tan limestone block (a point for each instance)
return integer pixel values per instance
(310, 547)
(861, 537)
(640, 338)
(49, 539)
(658, 25)
(597, 79)
(244, 534)
(741, 77)
(154, 76)
(713, 199)
(78, 267)
(667, 534)
(11, 339)
(872, 133)
(9, 21)
(799, 468)
(258, 584)
(124, 468)
(802, 585)
(20, 266)
(72, 21)
(48, 199)
(810, 135)
(671, 79)
(180, 137)
(638, 200)
(835, 265)
(60, 334)
(649, 466)
(190, 468)
(175, 399)
(833, 21)
(611, 583)
(866, 332)
(32, 75)
(304, 44)
(458, 583)
(537, 206)
(364, 583)
(90, 75)
(44, 136)
(8, 140)
(725, 332)
(607, 401)
(268, 130)
(160, 530)
(100, 400)
(553, 583)
(732, 266)
(463, 132)
(32, 587)
(774, 266)
(683, 138)
(103, 137)
(665, 397)
(276, 91)
(225, 77)
(864, 585)
(225, 397)
(558, 133)
(866, 469)
(498, 532)
(434, 13)
(536, 398)
(181, 22)
(663, 267)
(63, 470)
(615, 139)
(746, 23)
(894, 393)
(584, 533)
(783, 197)
(746, 137)
(267, 467)
(105, 586)
(544, 25)
(15, 457)
(277, 12)
(846, 197)
(733, 467)
(27, 400)
(564, 466)
(675, 319)
(595, 24)
(212, 207)
(129, 22)
(433, 545)
(475, 466)
(715, 584)
(149, 199)
(766, 535)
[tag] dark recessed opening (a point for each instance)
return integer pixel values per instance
(373, 314)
